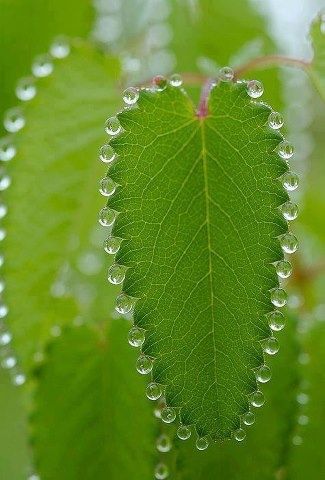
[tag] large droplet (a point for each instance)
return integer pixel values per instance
(290, 181)
(159, 82)
(14, 120)
(5, 338)
(112, 245)
(18, 379)
(278, 297)
(276, 320)
(113, 126)
(26, 89)
(175, 80)
(248, 418)
(42, 66)
(303, 420)
(168, 414)
(202, 443)
(275, 120)
(153, 391)
(136, 337)
(255, 89)
(3, 310)
(226, 74)
(283, 268)
(289, 243)
(271, 346)
(5, 182)
(124, 303)
(285, 150)
(107, 154)
(289, 210)
(3, 210)
(257, 399)
(161, 471)
(7, 150)
(183, 432)
(130, 96)
(144, 364)
(163, 443)
(107, 217)
(60, 48)
(107, 187)
(240, 434)
(116, 274)
(3, 234)
(9, 362)
(263, 374)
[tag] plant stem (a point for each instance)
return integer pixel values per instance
(269, 61)
(202, 110)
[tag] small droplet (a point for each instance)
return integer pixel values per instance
(5, 338)
(136, 337)
(60, 48)
(124, 304)
(183, 432)
(5, 182)
(175, 80)
(112, 245)
(107, 217)
(14, 120)
(276, 320)
(107, 154)
(257, 399)
(271, 346)
(130, 96)
(290, 181)
(168, 414)
(107, 187)
(302, 398)
(289, 211)
(26, 89)
(144, 364)
(3, 234)
(278, 297)
(161, 471)
(163, 443)
(159, 82)
(303, 420)
(285, 149)
(275, 120)
(42, 66)
(7, 150)
(297, 440)
(3, 210)
(9, 362)
(113, 126)
(240, 434)
(283, 268)
(3, 311)
(263, 374)
(116, 274)
(226, 74)
(289, 243)
(153, 391)
(157, 410)
(248, 418)
(18, 379)
(202, 443)
(255, 89)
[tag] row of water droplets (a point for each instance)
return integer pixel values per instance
(14, 121)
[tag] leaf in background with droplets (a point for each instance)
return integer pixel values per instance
(52, 216)
(198, 211)
(316, 69)
(91, 419)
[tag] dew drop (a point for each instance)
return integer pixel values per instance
(249, 418)
(263, 374)
(60, 48)
(271, 346)
(163, 443)
(289, 243)
(278, 297)
(26, 89)
(9, 362)
(112, 245)
(130, 96)
(255, 89)
(3, 210)
(5, 182)
(107, 187)
(3, 234)
(113, 126)
(136, 337)
(175, 80)
(7, 150)
(240, 434)
(289, 210)
(14, 120)
(226, 74)
(153, 391)
(161, 471)
(257, 399)
(107, 217)
(124, 304)
(168, 414)
(303, 420)
(285, 150)
(202, 443)
(276, 320)
(18, 379)
(183, 432)
(42, 66)
(144, 364)
(159, 82)
(107, 154)
(290, 181)
(116, 274)
(5, 338)
(302, 398)
(283, 268)
(275, 120)
(3, 311)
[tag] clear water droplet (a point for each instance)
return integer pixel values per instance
(124, 304)
(112, 245)
(183, 432)
(19, 379)
(42, 66)
(107, 154)
(175, 80)
(289, 243)
(202, 443)
(130, 96)
(153, 391)
(303, 420)
(255, 89)
(283, 268)
(7, 150)
(161, 471)
(168, 414)
(248, 418)
(5, 338)
(144, 364)
(271, 346)
(226, 74)
(26, 89)
(3, 210)
(136, 337)
(276, 320)
(285, 150)
(278, 297)
(257, 399)
(275, 120)
(9, 362)
(14, 120)
(113, 126)
(107, 217)
(240, 434)
(116, 274)
(289, 210)
(163, 443)
(302, 398)
(5, 182)
(290, 181)
(3, 311)
(297, 440)
(60, 48)
(159, 82)
(263, 374)
(107, 187)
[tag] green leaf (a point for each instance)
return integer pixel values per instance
(91, 418)
(52, 199)
(198, 202)
(317, 67)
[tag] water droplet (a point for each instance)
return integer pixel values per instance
(303, 420)
(9, 362)
(7, 150)
(124, 303)
(257, 399)
(240, 434)
(116, 274)
(42, 66)
(276, 320)
(248, 418)
(107, 187)
(3, 234)
(5, 338)
(14, 120)
(297, 440)
(3, 311)
(163, 443)
(3, 210)
(271, 346)
(112, 245)
(168, 414)
(157, 411)
(159, 82)
(18, 379)
(26, 89)
(130, 96)
(60, 48)
(283, 268)
(263, 374)
(144, 364)
(285, 149)
(278, 297)
(290, 181)
(202, 443)
(136, 337)
(183, 432)
(107, 217)
(175, 80)
(226, 74)
(5, 182)
(153, 391)
(161, 471)
(107, 154)
(289, 210)
(255, 89)
(289, 243)
(2, 286)
(275, 120)
(302, 398)
(113, 126)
